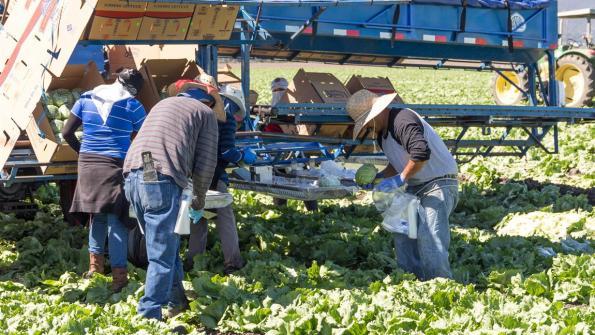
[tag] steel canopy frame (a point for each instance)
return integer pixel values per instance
(253, 36)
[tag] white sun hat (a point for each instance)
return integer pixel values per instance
(237, 96)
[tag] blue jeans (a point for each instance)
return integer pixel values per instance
(156, 204)
(427, 256)
(108, 226)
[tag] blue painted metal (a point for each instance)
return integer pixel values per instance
(371, 25)
(82, 54)
(248, 125)
(286, 3)
(336, 112)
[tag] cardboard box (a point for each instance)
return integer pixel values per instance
(47, 149)
(116, 20)
(133, 56)
(212, 22)
(378, 85)
(166, 21)
(316, 87)
(53, 26)
(227, 77)
(160, 73)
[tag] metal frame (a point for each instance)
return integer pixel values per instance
(534, 122)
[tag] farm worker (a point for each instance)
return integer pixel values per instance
(110, 115)
(279, 87)
(228, 153)
(178, 141)
(420, 161)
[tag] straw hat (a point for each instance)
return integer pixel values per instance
(183, 85)
(363, 106)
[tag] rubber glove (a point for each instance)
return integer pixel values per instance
(390, 184)
(249, 156)
(377, 179)
(195, 215)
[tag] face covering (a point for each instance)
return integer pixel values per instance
(277, 96)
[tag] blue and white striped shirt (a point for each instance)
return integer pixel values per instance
(110, 138)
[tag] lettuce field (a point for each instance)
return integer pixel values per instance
(522, 247)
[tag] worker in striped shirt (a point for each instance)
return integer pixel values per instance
(178, 141)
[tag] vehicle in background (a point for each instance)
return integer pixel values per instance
(575, 68)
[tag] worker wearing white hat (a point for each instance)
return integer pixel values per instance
(228, 153)
(419, 161)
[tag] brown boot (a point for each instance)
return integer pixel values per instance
(119, 279)
(96, 265)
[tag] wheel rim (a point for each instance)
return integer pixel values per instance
(574, 84)
(506, 92)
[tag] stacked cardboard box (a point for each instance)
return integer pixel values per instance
(117, 20)
(160, 73)
(146, 21)
(378, 85)
(169, 21)
(316, 87)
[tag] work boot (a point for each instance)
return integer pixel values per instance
(173, 310)
(119, 279)
(230, 269)
(96, 265)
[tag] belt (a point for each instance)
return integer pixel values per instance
(446, 176)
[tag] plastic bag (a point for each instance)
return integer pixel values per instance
(332, 168)
(400, 211)
(183, 221)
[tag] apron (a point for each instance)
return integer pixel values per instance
(441, 162)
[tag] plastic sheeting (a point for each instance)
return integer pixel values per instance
(515, 4)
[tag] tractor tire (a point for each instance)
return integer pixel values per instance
(578, 75)
(505, 93)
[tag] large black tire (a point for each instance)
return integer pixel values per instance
(505, 93)
(578, 75)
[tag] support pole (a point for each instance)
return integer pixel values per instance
(203, 57)
(245, 50)
(553, 85)
(214, 55)
(532, 91)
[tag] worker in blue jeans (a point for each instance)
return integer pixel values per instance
(420, 163)
(158, 204)
(177, 145)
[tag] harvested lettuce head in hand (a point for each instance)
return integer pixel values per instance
(366, 174)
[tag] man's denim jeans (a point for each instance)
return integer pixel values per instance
(427, 256)
(108, 226)
(156, 204)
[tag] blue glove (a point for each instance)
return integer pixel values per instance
(390, 184)
(370, 187)
(195, 215)
(249, 156)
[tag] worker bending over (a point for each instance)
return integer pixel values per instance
(178, 141)
(420, 161)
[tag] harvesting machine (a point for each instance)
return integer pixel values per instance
(489, 35)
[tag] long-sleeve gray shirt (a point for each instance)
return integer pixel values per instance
(182, 134)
